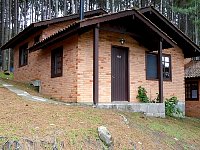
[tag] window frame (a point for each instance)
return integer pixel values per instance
(170, 67)
(54, 52)
(147, 77)
(22, 53)
(190, 98)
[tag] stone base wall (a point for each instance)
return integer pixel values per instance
(149, 109)
(181, 106)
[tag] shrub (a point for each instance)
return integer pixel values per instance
(170, 107)
(142, 95)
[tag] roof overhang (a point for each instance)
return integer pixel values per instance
(34, 27)
(22, 35)
(190, 49)
(97, 20)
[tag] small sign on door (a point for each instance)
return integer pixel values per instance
(118, 56)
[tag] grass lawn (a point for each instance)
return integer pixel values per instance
(77, 126)
(3, 76)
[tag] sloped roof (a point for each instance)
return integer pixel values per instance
(33, 27)
(183, 41)
(192, 69)
(98, 19)
(148, 15)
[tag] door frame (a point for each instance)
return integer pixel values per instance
(128, 71)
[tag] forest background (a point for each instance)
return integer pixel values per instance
(15, 15)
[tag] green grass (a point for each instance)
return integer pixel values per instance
(3, 76)
(183, 132)
(77, 137)
(181, 129)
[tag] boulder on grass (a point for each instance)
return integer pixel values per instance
(105, 136)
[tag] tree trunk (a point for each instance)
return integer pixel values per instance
(196, 24)
(50, 9)
(72, 6)
(186, 24)
(56, 8)
(65, 7)
(161, 6)
(87, 5)
(24, 14)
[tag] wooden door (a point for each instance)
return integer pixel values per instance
(119, 74)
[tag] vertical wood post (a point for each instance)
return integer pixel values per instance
(160, 72)
(96, 65)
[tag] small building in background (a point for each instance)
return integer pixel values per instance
(192, 87)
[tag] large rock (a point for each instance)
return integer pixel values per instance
(105, 135)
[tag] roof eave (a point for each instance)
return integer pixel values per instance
(52, 39)
(95, 20)
(151, 9)
(10, 43)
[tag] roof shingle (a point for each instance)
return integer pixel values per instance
(192, 70)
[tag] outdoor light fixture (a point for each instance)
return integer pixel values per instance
(122, 41)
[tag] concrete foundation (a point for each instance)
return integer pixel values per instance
(181, 106)
(149, 109)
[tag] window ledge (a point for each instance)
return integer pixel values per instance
(165, 80)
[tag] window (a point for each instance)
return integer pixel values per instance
(36, 39)
(191, 91)
(152, 66)
(56, 62)
(166, 67)
(23, 55)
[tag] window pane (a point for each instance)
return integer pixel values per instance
(166, 67)
(57, 62)
(23, 55)
(166, 59)
(166, 64)
(152, 72)
(191, 89)
(194, 93)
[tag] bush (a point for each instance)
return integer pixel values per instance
(170, 107)
(142, 95)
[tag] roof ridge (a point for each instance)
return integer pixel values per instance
(69, 15)
(104, 15)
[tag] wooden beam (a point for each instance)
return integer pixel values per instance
(160, 72)
(120, 32)
(156, 29)
(96, 65)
